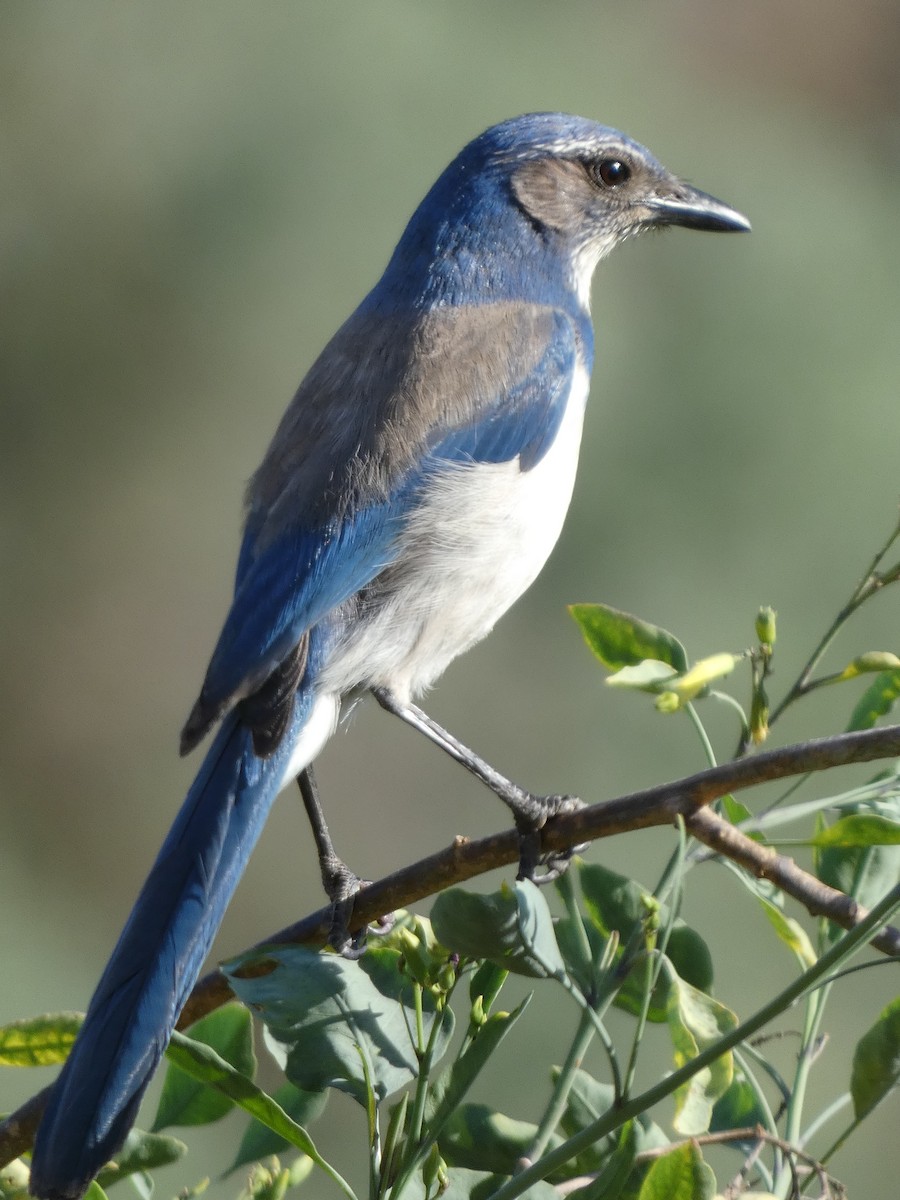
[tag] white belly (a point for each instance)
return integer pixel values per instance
(474, 546)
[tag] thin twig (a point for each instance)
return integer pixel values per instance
(870, 583)
(736, 1186)
(750, 1133)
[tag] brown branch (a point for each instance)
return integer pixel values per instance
(817, 898)
(466, 859)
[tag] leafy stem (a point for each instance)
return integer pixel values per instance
(848, 944)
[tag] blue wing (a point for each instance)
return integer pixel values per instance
(330, 521)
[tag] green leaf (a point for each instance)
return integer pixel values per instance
(697, 679)
(613, 902)
(187, 1101)
(759, 888)
(680, 1175)
(479, 1185)
(648, 676)
(486, 983)
(876, 701)
(570, 939)
(589, 1099)
(862, 829)
(259, 1141)
(341, 1024)
(483, 927)
(481, 1139)
(696, 1021)
(610, 1180)
(735, 811)
(513, 929)
(864, 872)
(202, 1062)
(630, 996)
(738, 1107)
(478, 1138)
(690, 955)
(876, 1061)
(536, 928)
(619, 639)
(39, 1041)
(616, 903)
(142, 1152)
(467, 1067)
(791, 933)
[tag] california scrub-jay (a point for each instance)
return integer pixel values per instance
(412, 492)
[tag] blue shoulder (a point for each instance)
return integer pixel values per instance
(523, 421)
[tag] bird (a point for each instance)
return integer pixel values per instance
(411, 493)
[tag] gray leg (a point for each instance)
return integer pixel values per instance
(340, 883)
(530, 811)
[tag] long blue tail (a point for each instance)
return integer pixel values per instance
(156, 961)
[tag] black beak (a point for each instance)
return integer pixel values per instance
(685, 205)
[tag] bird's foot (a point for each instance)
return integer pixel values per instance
(342, 886)
(532, 814)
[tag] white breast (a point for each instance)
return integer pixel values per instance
(476, 543)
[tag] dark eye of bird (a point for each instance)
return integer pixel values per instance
(613, 172)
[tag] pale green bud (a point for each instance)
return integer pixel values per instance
(765, 625)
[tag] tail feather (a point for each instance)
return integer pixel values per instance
(156, 962)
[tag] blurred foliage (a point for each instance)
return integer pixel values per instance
(193, 197)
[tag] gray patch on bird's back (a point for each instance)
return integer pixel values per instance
(386, 389)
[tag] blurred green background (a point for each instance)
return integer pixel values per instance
(192, 198)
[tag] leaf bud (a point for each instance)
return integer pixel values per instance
(765, 625)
